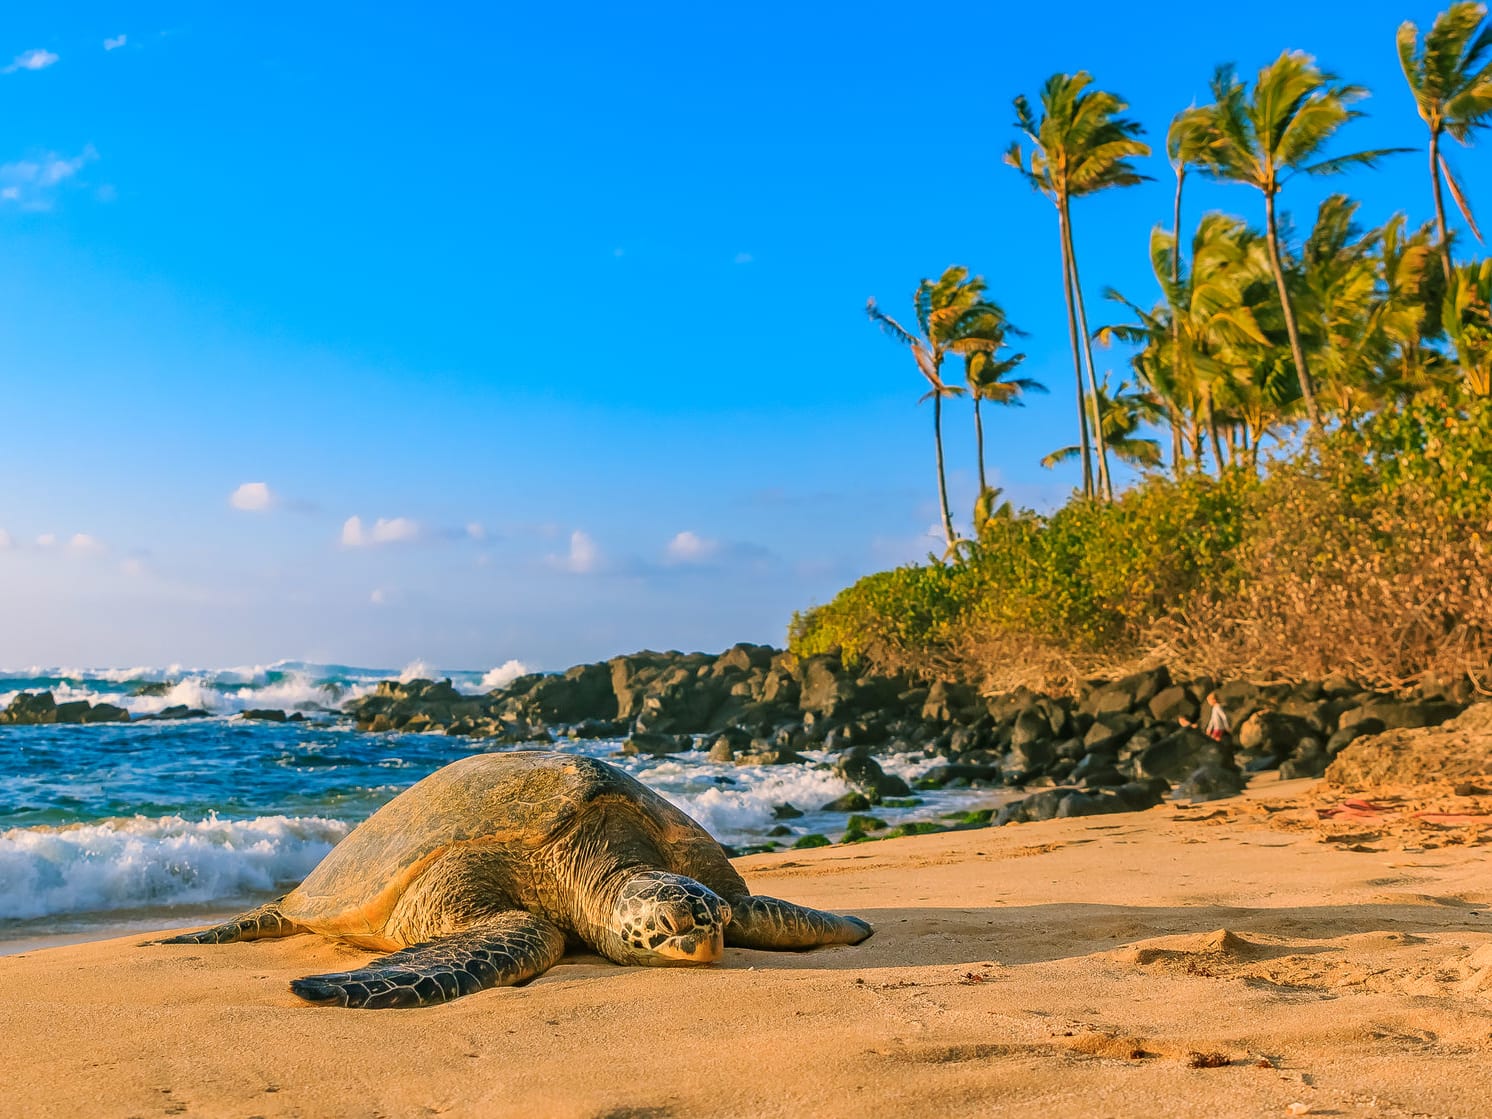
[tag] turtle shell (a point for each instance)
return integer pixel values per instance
(519, 803)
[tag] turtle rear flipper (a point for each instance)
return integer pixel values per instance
(508, 949)
(264, 923)
(762, 922)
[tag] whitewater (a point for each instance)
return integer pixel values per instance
(119, 826)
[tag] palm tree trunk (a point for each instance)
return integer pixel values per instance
(1176, 278)
(942, 478)
(1077, 361)
(1217, 447)
(1445, 244)
(1105, 484)
(979, 440)
(1178, 456)
(1272, 236)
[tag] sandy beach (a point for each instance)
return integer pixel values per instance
(1330, 966)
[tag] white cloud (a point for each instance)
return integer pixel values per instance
(47, 540)
(33, 183)
(476, 531)
(504, 673)
(378, 597)
(583, 558)
(690, 547)
(744, 258)
(252, 497)
(84, 545)
(38, 59)
(385, 530)
(115, 43)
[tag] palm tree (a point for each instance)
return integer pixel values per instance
(952, 317)
(1264, 137)
(1186, 144)
(1468, 321)
(988, 378)
(1079, 145)
(1122, 412)
(1205, 334)
(1450, 76)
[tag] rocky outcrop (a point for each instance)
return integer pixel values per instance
(1457, 750)
(33, 708)
(1116, 743)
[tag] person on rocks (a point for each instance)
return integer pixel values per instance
(1217, 721)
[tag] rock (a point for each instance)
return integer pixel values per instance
(1177, 755)
(72, 712)
(865, 774)
(957, 772)
(722, 752)
(1029, 759)
(1101, 776)
(1210, 782)
(1123, 696)
(1310, 760)
(106, 713)
(1458, 750)
(1338, 741)
(1038, 806)
(786, 812)
(154, 688)
(657, 745)
(948, 702)
(179, 711)
(583, 692)
(1271, 732)
(850, 802)
(1109, 732)
(1031, 725)
(1171, 705)
(771, 757)
(826, 689)
(30, 709)
(814, 840)
(270, 715)
(1401, 716)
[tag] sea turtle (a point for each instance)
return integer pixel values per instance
(481, 874)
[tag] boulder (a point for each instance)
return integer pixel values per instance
(270, 715)
(1126, 694)
(657, 745)
(960, 773)
(827, 689)
(864, 773)
(1272, 732)
(1179, 754)
(1171, 705)
(949, 702)
(1457, 750)
(75, 711)
(1110, 731)
(30, 709)
(1211, 782)
(1396, 715)
(106, 713)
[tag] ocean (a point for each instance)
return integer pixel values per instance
(113, 828)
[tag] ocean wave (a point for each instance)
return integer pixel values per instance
(139, 862)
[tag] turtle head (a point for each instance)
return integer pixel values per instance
(666, 920)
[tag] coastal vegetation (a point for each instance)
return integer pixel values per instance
(1308, 416)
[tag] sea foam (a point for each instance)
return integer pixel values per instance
(138, 862)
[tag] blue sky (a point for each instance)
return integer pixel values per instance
(570, 300)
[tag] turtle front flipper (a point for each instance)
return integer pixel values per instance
(264, 923)
(761, 922)
(505, 950)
